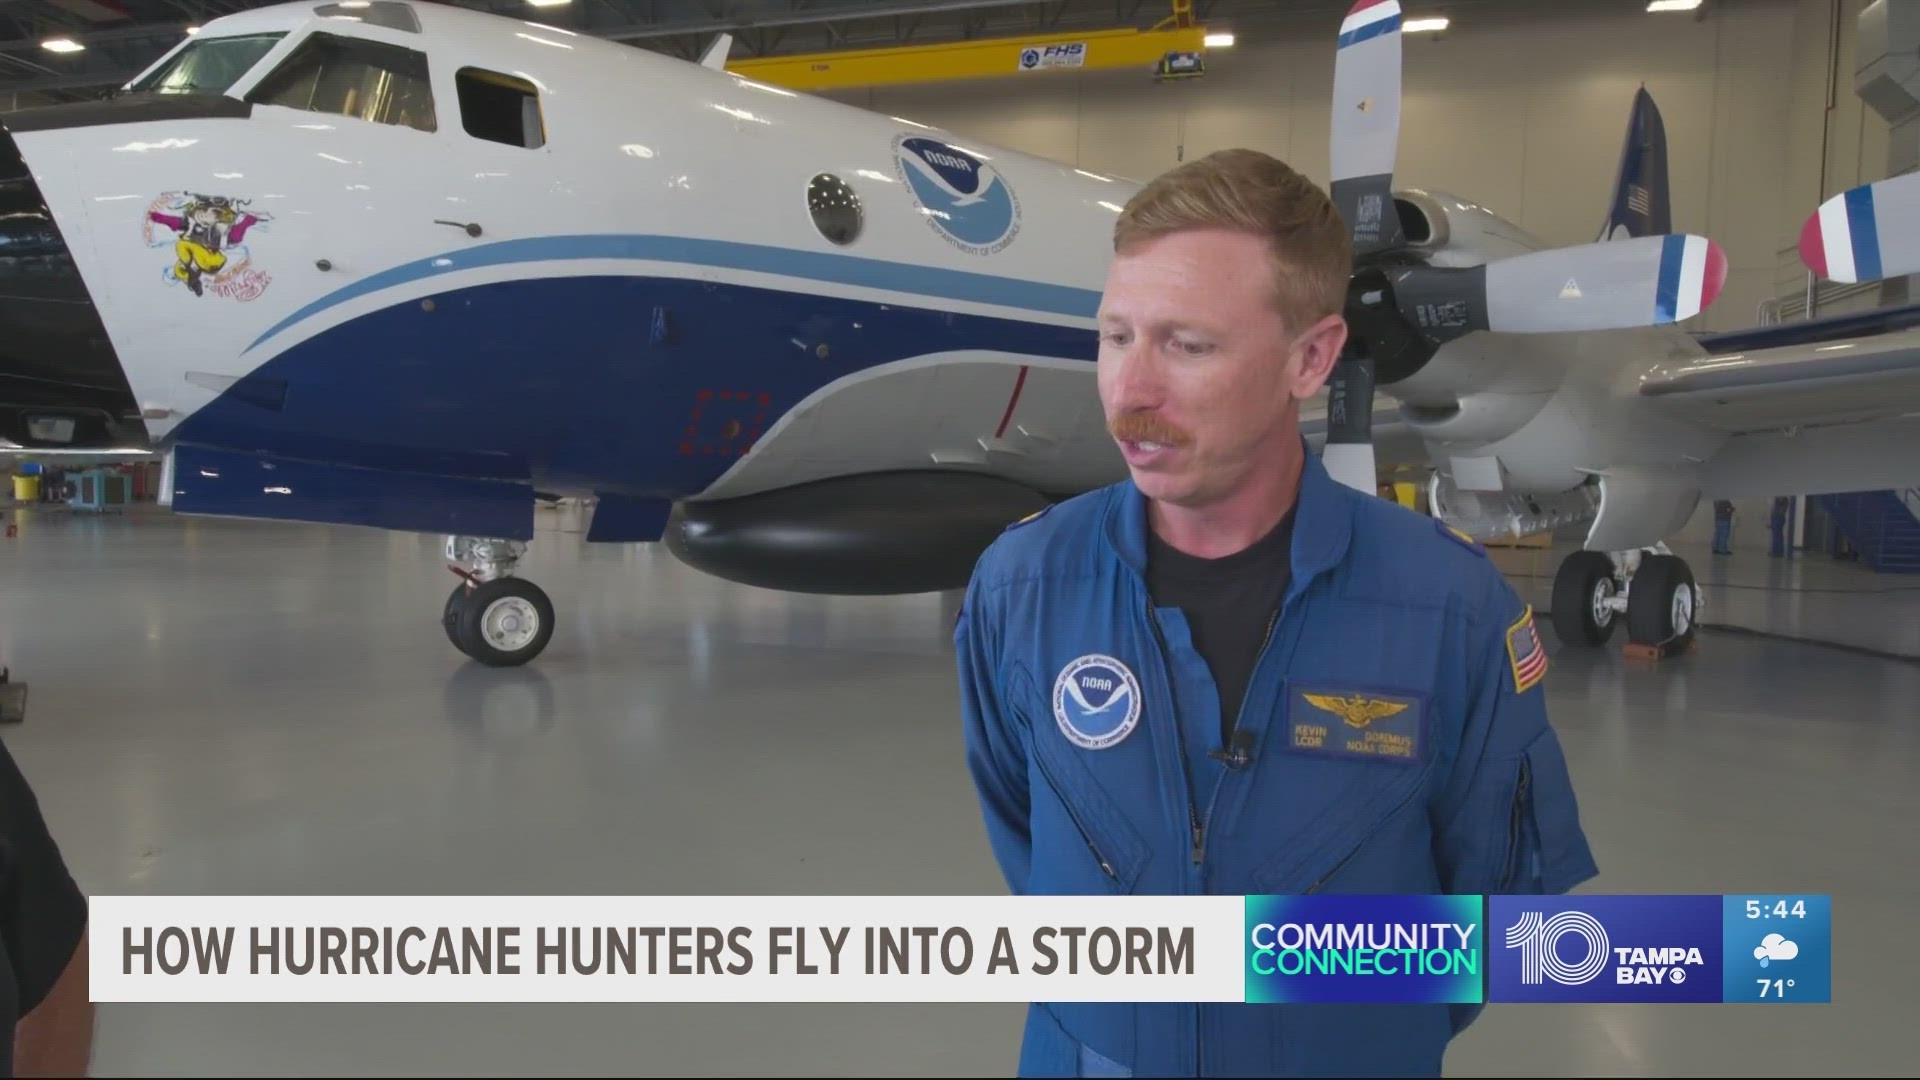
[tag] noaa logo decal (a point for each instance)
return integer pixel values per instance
(964, 199)
(1096, 701)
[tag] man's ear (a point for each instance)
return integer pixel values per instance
(1318, 349)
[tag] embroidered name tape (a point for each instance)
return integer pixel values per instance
(1369, 725)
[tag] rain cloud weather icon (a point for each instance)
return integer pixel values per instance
(1775, 947)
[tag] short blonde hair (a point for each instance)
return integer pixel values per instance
(1253, 192)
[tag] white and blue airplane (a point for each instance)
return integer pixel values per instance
(396, 264)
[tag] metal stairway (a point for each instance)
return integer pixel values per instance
(1884, 526)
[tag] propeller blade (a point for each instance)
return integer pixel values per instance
(1366, 123)
(1612, 285)
(1348, 453)
(1867, 233)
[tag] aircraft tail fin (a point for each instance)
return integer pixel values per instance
(716, 55)
(1640, 205)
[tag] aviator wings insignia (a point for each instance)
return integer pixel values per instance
(1357, 711)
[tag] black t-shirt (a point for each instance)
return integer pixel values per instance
(42, 912)
(1228, 602)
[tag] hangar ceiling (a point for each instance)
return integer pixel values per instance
(120, 37)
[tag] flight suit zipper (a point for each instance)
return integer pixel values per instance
(1195, 826)
(1193, 815)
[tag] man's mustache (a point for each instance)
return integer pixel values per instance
(1144, 427)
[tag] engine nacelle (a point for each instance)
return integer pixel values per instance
(873, 534)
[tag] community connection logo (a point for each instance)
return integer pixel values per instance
(1364, 949)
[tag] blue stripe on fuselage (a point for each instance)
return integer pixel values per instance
(899, 277)
(561, 381)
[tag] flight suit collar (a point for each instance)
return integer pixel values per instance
(1322, 523)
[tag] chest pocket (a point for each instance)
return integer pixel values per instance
(1098, 791)
(1364, 723)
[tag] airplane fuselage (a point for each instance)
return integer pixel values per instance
(642, 303)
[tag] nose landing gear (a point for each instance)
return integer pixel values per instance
(498, 619)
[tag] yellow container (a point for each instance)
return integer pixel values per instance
(26, 488)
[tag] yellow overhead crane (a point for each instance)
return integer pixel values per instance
(1172, 49)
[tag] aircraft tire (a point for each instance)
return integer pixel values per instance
(504, 622)
(1578, 584)
(1663, 606)
(450, 616)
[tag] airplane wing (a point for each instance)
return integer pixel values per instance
(1845, 369)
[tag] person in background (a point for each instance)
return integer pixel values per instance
(1723, 526)
(1782, 511)
(45, 1011)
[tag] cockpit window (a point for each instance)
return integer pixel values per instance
(500, 108)
(210, 65)
(368, 80)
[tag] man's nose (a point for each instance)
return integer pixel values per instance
(1132, 382)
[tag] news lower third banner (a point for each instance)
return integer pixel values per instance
(1326, 949)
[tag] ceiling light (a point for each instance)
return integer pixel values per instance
(1673, 5)
(1415, 26)
(1218, 41)
(549, 3)
(61, 45)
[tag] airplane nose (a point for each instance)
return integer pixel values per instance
(61, 384)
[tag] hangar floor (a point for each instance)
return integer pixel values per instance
(232, 707)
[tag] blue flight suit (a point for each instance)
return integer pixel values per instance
(1399, 744)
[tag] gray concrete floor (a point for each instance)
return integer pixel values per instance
(235, 707)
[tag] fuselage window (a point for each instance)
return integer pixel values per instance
(835, 208)
(208, 66)
(367, 80)
(500, 108)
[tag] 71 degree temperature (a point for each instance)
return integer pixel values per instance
(1777, 986)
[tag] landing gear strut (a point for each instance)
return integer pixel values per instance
(1653, 588)
(492, 616)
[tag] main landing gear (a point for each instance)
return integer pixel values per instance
(1653, 588)
(497, 619)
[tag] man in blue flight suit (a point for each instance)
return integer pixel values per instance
(1231, 674)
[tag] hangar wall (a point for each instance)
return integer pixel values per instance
(1513, 108)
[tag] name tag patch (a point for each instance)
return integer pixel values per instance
(1368, 725)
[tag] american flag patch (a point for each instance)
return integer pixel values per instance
(1524, 649)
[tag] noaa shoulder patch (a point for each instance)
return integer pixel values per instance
(1035, 516)
(1096, 701)
(1460, 537)
(963, 198)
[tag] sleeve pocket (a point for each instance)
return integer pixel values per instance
(1547, 849)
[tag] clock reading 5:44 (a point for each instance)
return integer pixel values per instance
(1758, 909)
